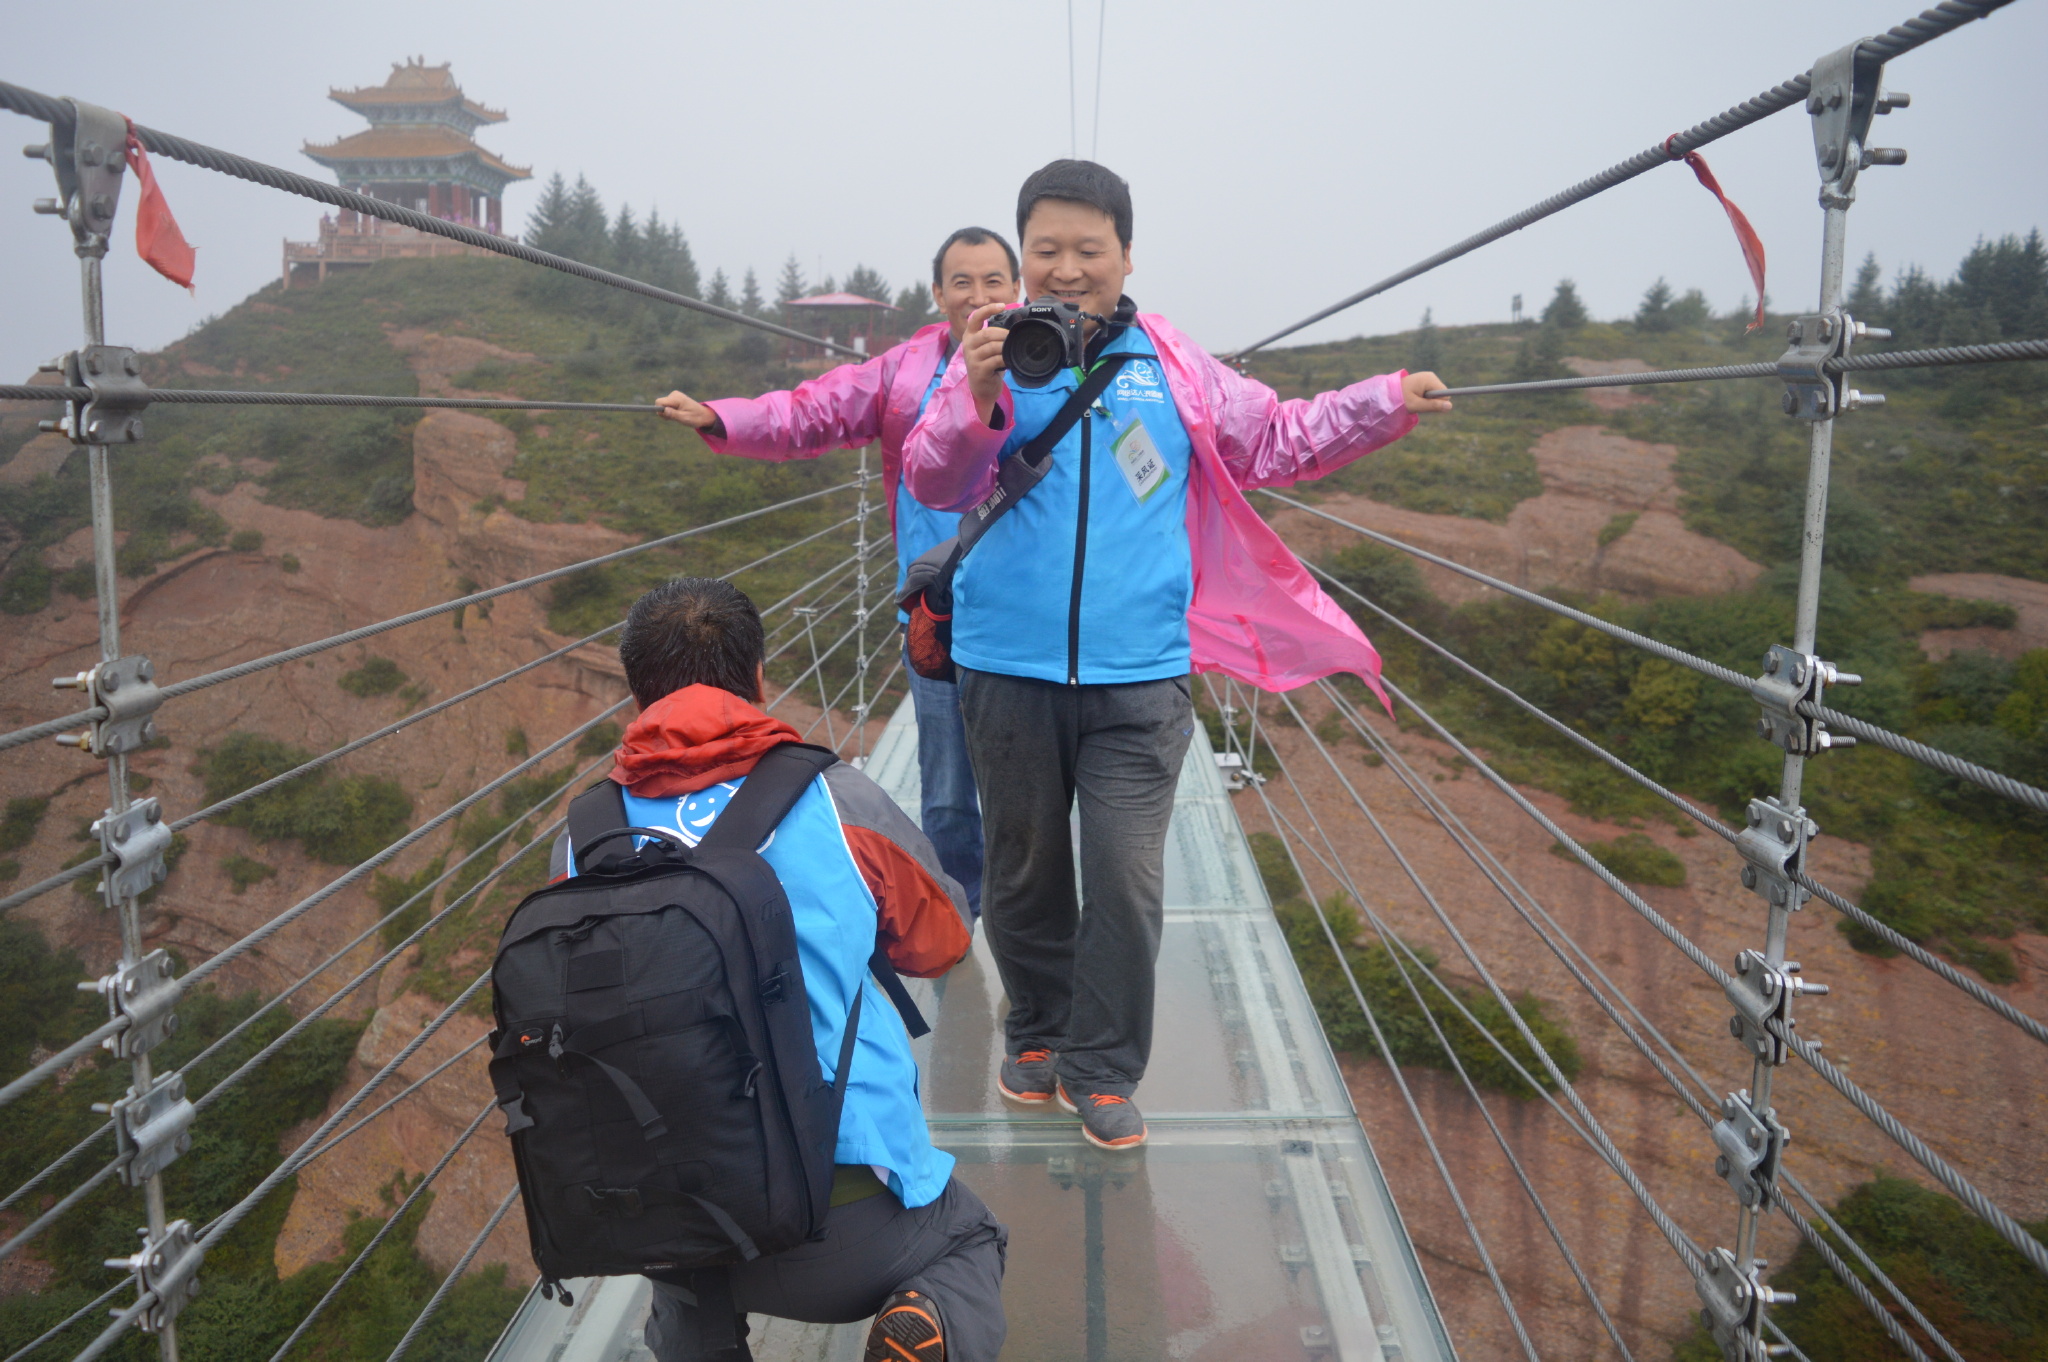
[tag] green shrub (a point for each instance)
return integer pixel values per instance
(289, 562)
(337, 819)
(1632, 858)
(377, 676)
(389, 891)
(26, 589)
(19, 823)
(1402, 1020)
(516, 744)
(246, 541)
(1617, 527)
(598, 741)
(243, 871)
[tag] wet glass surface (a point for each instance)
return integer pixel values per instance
(1254, 1224)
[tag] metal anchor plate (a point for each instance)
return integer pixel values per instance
(153, 1128)
(137, 839)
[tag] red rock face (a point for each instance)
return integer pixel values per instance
(1590, 476)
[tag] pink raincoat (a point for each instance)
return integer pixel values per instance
(1257, 614)
(842, 408)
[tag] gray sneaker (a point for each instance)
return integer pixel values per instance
(1110, 1122)
(1027, 1077)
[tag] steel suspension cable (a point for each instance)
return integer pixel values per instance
(1688, 1252)
(64, 1203)
(55, 111)
(50, 1168)
(383, 1231)
(1943, 761)
(235, 1214)
(399, 1096)
(222, 397)
(2005, 1225)
(1903, 38)
(65, 876)
(1920, 955)
(1421, 1123)
(64, 1058)
(242, 669)
(453, 811)
(454, 1275)
(1447, 818)
(1884, 359)
(1387, 935)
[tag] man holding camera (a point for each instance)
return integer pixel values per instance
(1079, 613)
(881, 399)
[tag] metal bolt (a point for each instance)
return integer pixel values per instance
(92, 363)
(101, 206)
(128, 986)
(1755, 816)
(133, 429)
(1721, 1164)
(163, 966)
(1735, 1027)
(147, 671)
(154, 813)
(120, 833)
(1778, 895)
(90, 154)
(129, 364)
(149, 729)
(1885, 156)
(49, 208)
(37, 153)
(1749, 877)
(1789, 403)
(1771, 660)
(1785, 831)
(111, 682)
(1742, 963)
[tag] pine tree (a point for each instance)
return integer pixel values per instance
(1691, 310)
(750, 294)
(720, 293)
(1654, 313)
(624, 251)
(544, 225)
(914, 308)
(867, 283)
(584, 227)
(791, 286)
(1427, 354)
(1565, 312)
(1866, 300)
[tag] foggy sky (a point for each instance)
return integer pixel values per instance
(1280, 155)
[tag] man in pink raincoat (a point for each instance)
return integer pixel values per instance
(1079, 614)
(880, 399)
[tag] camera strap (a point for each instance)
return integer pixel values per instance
(1025, 469)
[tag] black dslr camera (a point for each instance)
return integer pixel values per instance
(1045, 337)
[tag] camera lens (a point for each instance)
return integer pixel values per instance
(1034, 353)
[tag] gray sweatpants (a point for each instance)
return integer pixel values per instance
(1078, 968)
(952, 1250)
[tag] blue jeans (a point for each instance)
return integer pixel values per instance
(951, 814)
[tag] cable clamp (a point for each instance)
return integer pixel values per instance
(1236, 775)
(167, 1270)
(144, 992)
(136, 840)
(1750, 1142)
(126, 688)
(1844, 92)
(1791, 680)
(89, 153)
(1735, 1302)
(1763, 994)
(1773, 847)
(113, 416)
(152, 1128)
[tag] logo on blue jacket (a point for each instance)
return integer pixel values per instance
(1139, 381)
(697, 811)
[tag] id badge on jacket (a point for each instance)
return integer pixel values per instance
(1140, 461)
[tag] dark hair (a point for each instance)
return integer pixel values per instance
(969, 236)
(1078, 182)
(692, 631)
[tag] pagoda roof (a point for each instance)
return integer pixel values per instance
(390, 142)
(415, 82)
(838, 300)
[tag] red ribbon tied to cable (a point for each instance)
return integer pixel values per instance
(1745, 235)
(157, 238)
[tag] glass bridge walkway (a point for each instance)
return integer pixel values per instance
(1256, 1222)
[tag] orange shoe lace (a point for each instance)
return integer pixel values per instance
(1033, 1056)
(1107, 1099)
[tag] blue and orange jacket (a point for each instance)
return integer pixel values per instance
(855, 868)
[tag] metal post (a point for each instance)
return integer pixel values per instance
(92, 252)
(863, 508)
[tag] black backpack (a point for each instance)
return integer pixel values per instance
(653, 1053)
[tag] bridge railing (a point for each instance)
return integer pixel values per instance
(828, 627)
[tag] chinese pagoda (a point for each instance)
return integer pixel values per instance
(419, 151)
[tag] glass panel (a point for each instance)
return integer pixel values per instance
(1255, 1222)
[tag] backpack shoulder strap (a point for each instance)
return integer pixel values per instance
(777, 781)
(594, 813)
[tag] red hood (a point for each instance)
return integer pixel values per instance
(694, 738)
